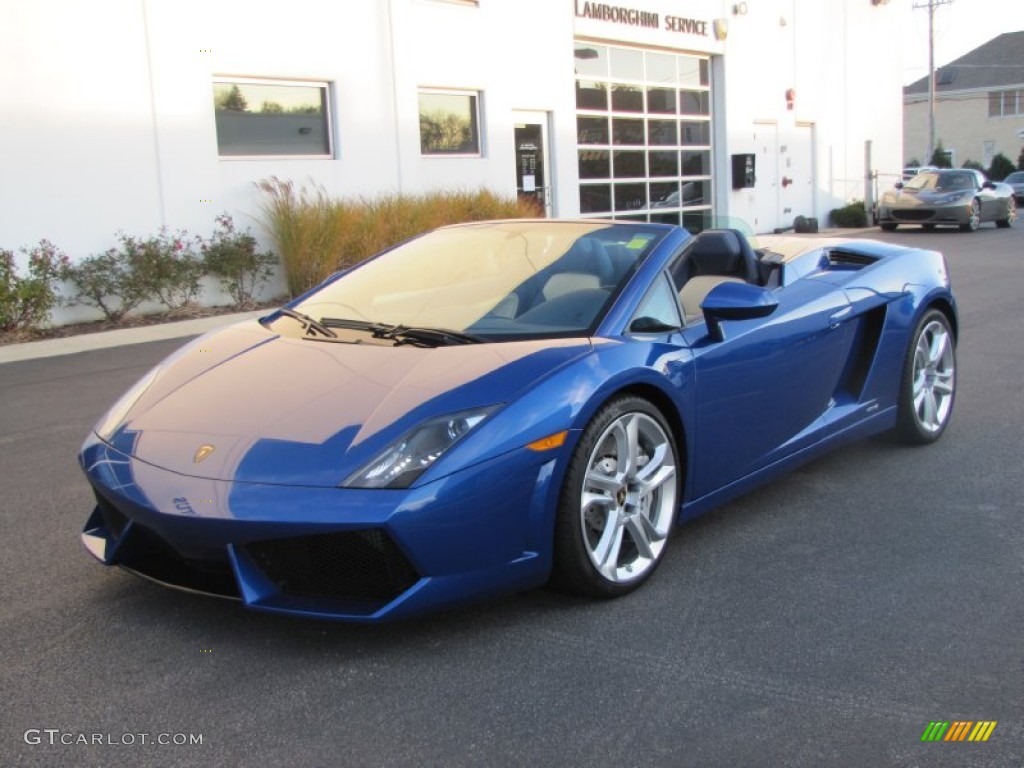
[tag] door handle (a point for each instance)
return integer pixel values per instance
(837, 318)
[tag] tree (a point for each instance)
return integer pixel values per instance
(1020, 160)
(1001, 167)
(940, 157)
(230, 100)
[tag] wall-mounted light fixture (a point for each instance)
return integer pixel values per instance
(790, 98)
(740, 9)
(721, 29)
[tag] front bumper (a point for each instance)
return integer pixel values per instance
(339, 553)
(949, 215)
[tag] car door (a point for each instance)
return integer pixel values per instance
(991, 205)
(761, 392)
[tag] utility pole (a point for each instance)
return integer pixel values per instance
(932, 4)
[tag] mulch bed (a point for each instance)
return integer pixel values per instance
(133, 321)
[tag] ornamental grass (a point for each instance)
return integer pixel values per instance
(315, 235)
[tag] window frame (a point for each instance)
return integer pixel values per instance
(678, 72)
(327, 88)
(997, 102)
(478, 97)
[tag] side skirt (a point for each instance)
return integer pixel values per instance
(877, 423)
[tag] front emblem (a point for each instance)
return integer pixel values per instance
(202, 453)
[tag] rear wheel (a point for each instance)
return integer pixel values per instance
(1011, 214)
(928, 385)
(619, 501)
(973, 217)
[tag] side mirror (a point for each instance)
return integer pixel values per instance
(735, 301)
(988, 185)
(899, 185)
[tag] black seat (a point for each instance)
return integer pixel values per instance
(723, 252)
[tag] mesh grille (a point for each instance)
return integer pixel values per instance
(913, 214)
(350, 565)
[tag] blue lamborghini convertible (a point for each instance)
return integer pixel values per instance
(492, 406)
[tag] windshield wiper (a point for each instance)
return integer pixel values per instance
(428, 337)
(356, 325)
(310, 325)
(404, 334)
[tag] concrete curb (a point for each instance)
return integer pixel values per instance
(85, 342)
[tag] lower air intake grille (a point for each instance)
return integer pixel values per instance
(112, 517)
(350, 565)
(913, 214)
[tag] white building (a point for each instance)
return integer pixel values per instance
(126, 115)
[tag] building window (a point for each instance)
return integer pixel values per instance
(257, 118)
(1005, 103)
(449, 123)
(643, 135)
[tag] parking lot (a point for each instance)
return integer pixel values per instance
(823, 620)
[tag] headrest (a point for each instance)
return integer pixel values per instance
(717, 253)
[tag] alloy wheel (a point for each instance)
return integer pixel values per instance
(628, 497)
(934, 377)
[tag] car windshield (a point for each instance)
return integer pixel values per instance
(942, 182)
(494, 281)
(1015, 178)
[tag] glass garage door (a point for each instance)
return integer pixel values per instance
(643, 133)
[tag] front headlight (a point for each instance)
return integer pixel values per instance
(410, 456)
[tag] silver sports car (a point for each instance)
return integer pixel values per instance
(948, 197)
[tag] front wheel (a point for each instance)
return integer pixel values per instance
(973, 217)
(888, 227)
(1011, 214)
(928, 385)
(619, 501)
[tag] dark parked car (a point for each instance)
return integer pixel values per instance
(1016, 180)
(959, 197)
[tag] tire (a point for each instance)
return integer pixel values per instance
(928, 227)
(1011, 214)
(615, 516)
(928, 383)
(887, 227)
(973, 218)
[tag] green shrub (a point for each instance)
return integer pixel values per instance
(315, 235)
(1001, 167)
(940, 157)
(168, 266)
(26, 301)
(231, 256)
(973, 165)
(850, 215)
(110, 282)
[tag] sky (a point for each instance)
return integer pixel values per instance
(960, 27)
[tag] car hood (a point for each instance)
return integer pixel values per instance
(246, 404)
(912, 197)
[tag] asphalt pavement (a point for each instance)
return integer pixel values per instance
(823, 620)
